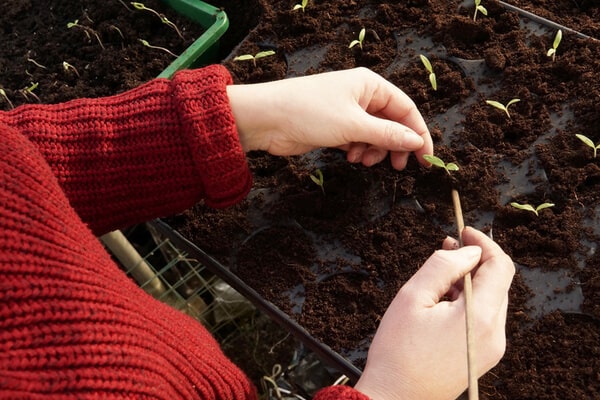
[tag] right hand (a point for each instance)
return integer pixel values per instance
(419, 350)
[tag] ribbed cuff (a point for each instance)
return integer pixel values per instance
(212, 134)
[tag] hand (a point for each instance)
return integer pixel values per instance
(419, 350)
(355, 110)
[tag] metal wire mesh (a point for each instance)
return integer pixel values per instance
(169, 275)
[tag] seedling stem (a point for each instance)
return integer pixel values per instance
(480, 8)
(552, 51)
(87, 30)
(501, 106)
(361, 39)
(301, 6)
(145, 43)
(162, 17)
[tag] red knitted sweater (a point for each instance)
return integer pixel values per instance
(72, 325)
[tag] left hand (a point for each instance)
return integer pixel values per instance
(355, 110)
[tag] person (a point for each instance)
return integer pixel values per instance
(73, 325)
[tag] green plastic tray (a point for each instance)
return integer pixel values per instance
(204, 49)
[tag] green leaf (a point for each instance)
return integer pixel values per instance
(353, 43)
(585, 140)
(544, 205)
(426, 63)
(438, 162)
(451, 166)
(482, 10)
(526, 207)
(266, 53)
(513, 101)
(496, 104)
(361, 35)
(433, 81)
(557, 39)
(244, 57)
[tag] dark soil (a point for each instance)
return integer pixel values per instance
(333, 260)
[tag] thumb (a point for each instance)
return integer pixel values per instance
(444, 268)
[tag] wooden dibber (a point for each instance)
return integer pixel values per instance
(473, 390)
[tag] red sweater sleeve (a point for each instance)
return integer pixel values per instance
(149, 152)
(72, 325)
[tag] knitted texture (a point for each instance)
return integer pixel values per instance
(339, 392)
(72, 325)
(152, 151)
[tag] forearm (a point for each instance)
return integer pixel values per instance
(146, 153)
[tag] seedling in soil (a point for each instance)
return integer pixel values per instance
(87, 30)
(501, 106)
(438, 162)
(162, 17)
(37, 64)
(429, 69)
(68, 67)
(589, 142)
(552, 51)
(529, 207)
(301, 6)
(5, 97)
(28, 91)
(479, 8)
(254, 57)
(145, 43)
(318, 179)
(360, 40)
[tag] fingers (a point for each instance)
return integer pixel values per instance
(440, 272)
(494, 276)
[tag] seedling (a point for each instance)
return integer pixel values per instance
(438, 162)
(479, 8)
(37, 64)
(260, 54)
(589, 142)
(429, 69)
(3, 94)
(68, 67)
(318, 179)
(301, 6)
(552, 51)
(162, 17)
(360, 40)
(529, 207)
(145, 43)
(87, 30)
(501, 106)
(28, 91)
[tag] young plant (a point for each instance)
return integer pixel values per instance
(301, 6)
(479, 8)
(89, 32)
(429, 69)
(529, 207)
(162, 17)
(145, 43)
(360, 40)
(501, 106)
(68, 67)
(28, 91)
(37, 64)
(438, 162)
(589, 142)
(5, 97)
(259, 55)
(318, 179)
(552, 51)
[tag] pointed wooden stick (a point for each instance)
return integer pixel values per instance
(468, 288)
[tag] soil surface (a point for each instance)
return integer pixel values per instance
(333, 257)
